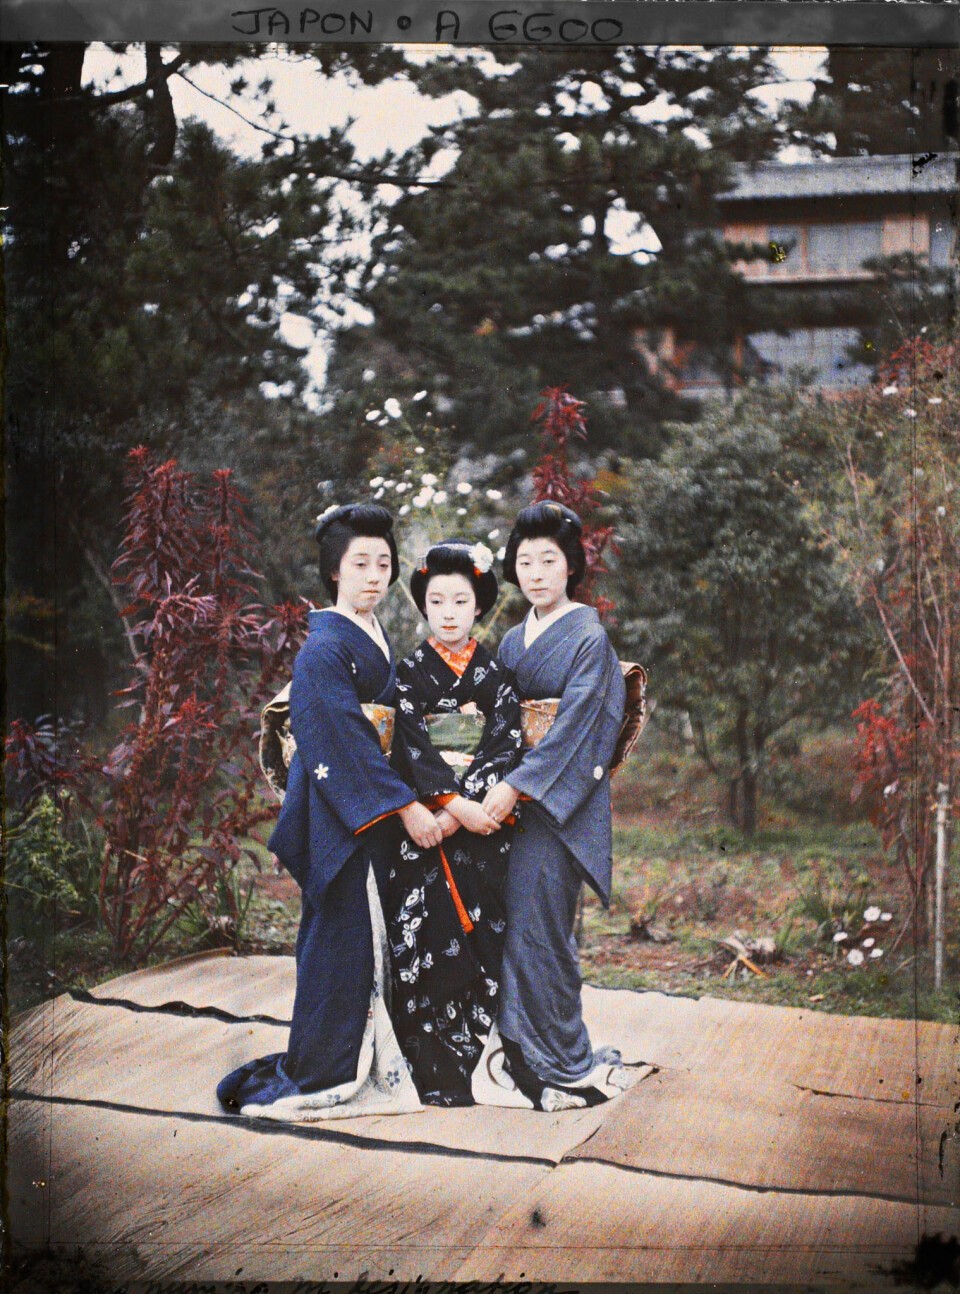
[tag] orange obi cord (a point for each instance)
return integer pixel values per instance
(373, 821)
(457, 900)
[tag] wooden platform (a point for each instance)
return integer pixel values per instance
(770, 1144)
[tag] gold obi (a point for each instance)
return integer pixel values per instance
(537, 717)
(277, 742)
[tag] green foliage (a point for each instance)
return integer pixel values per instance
(732, 599)
(833, 908)
(148, 269)
(49, 876)
(506, 277)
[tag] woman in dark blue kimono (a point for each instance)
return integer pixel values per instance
(559, 651)
(336, 835)
(445, 906)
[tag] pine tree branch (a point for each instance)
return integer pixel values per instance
(123, 96)
(255, 125)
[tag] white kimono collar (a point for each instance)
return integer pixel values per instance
(534, 625)
(373, 630)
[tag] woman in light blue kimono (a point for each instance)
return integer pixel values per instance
(560, 650)
(337, 834)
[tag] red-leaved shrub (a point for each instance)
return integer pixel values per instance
(183, 778)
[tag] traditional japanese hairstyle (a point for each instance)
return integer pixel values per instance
(548, 520)
(457, 557)
(337, 527)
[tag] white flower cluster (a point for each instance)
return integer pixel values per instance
(857, 956)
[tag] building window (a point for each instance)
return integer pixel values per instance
(824, 351)
(822, 249)
(843, 246)
(942, 242)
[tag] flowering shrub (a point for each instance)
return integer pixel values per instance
(415, 474)
(900, 536)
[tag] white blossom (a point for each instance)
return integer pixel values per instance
(428, 478)
(889, 790)
(402, 487)
(855, 957)
(379, 493)
(376, 482)
(368, 375)
(419, 450)
(890, 390)
(440, 496)
(382, 422)
(876, 952)
(464, 487)
(373, 415)
(909, 413)
(941, 511)
(419, 501)
(501, 553)
(389, 483)
(405, 509)
(935, 399)
(871, 914)
(492, 534)
(392, 408)
(494, 494)
(840, 936)
(868, 943)
(426, 493)
(327, 510)
(461, 512)
(420, 395)
(886, 916)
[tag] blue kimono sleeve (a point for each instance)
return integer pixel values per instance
(564, 769)
(337, 744)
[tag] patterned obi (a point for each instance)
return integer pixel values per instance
(277, 742)
(456, 735)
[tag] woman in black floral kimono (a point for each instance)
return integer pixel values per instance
(458, 734)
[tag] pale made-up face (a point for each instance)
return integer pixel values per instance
(542, 571)
(451, 606)
(364, 574)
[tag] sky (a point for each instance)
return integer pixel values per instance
(390, 115)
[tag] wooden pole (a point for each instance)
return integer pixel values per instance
(941, 868)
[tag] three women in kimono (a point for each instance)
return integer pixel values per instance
(442, 884)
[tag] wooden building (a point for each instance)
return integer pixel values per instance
(820, 227)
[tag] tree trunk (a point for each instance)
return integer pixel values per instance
(733, 801)
(749, 800)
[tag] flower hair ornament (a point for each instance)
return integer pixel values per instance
(482, 558)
